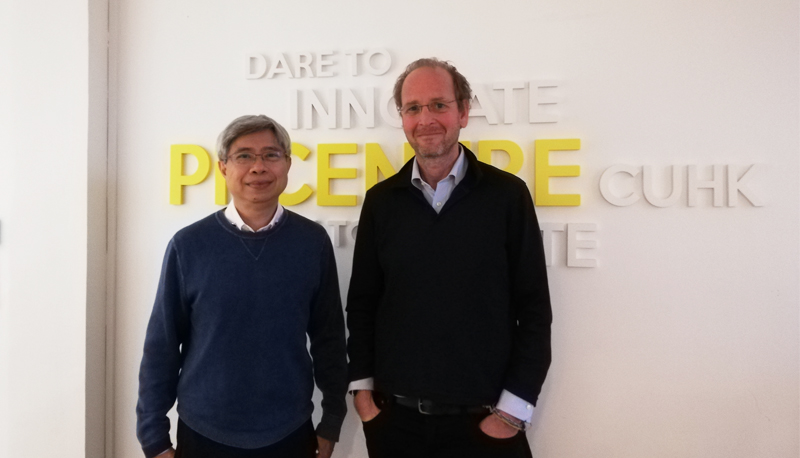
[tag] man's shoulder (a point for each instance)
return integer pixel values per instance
(201, 226)
(492, 176)
(298, 222)
(501, 180)
(300, 228)
(201, 233)
(493, 173)
(382, 188)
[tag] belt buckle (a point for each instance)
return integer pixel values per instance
(420, 403)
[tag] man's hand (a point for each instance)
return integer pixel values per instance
(497, 428)
(324, 447)
(365, 405)
(168, 454)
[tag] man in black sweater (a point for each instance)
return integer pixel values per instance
(448, 307)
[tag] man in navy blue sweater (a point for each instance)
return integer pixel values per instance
(448, 308)
(241, 293)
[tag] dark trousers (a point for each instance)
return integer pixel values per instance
(401, 432)
(302, 443)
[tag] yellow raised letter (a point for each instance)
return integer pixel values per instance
(544, 171)
(376, 162)
(325, 174)
(287, 199)
(485, 148)
(177, 180)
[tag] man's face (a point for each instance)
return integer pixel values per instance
(432, 134)
(261, 182)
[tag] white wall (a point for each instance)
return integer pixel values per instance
(682, 342)
(52, 113)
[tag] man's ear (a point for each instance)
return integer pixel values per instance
(463, 114)
(222, 168)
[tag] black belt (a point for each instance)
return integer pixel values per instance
(428, 407)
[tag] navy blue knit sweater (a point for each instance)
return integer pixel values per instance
(227, 335)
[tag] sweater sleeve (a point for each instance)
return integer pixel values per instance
(328, 352)
(161, 361)
(366, 288)
(530, 301)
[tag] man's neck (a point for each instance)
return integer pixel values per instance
(256, 215)
(435, 169)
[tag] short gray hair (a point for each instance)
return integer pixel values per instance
(250, 124)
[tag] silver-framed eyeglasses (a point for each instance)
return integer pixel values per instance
(437, 107)
(248, 159)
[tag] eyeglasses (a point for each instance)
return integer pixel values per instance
(248, 159)
(434, 107)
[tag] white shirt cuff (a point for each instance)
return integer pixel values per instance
(363, 384)
(515, 406)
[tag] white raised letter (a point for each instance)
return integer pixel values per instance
(649, 187)
(509, 107)
(486, 109)
(366, 116)
(322, 63)
(547, 239)
(255, 66)
(388, 109)
(716, 183)
(294, 109)
(312, 103)
(537, 102)
(303, 63)
(384, 62)
(353, 58)
(280, 66)
(736, 186)
(605, 185)
(574, 244)
(337, 232)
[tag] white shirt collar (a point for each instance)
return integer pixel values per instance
(233, 217)
(457, 172)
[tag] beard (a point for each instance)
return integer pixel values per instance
(435, 150)
(432, 152)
